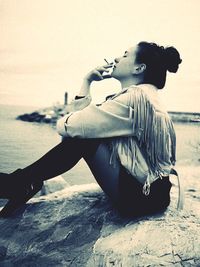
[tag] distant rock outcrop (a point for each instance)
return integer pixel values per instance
(52, 114)
(46, 115)
(77, 226)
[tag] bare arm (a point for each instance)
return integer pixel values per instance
(83, 99)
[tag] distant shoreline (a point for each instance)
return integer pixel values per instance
(52, 114)
(178, 116)
(184, 113)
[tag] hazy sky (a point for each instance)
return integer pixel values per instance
(47, 46)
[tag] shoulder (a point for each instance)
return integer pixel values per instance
(134, 93)
(145, 89)
(140, 93)
(147, 93)
(127, 95)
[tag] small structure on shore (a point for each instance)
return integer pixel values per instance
(46, 115)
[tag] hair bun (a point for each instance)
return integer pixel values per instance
(172, 59)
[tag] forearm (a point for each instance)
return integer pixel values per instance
(85, 88)
(82, 100)
(94, 75)
(109, 120)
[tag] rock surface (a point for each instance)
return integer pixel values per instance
(77, 226)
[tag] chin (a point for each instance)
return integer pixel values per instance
(114, 75)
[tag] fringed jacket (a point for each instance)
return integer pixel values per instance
(143, 136)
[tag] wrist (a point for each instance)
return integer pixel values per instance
(87, 80)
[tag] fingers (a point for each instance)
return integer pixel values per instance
(108, 65)
(106, 76)
(98, 73)
(105, 71)
(103, 68)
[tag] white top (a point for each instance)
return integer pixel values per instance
(143, 134)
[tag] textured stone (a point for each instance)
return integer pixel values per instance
(79, 227)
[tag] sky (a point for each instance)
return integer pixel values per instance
(48, 46)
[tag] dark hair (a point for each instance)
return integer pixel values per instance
(157, 60)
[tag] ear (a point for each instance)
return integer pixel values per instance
(140, 68)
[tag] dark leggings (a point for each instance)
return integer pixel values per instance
(122, 188)
(66, 155)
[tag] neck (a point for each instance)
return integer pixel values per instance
(131, 81)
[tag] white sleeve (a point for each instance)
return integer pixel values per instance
(111, 119)
(78, 104)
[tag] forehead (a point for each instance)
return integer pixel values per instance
(132, 49)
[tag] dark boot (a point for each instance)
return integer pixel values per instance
(23, 184)
(5, 188)
(18, 190)
(9, 183)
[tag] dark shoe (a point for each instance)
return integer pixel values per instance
(18, 189)
(9, 183)
(6, 187)
(20, 198)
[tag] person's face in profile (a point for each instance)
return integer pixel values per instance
(125, 65)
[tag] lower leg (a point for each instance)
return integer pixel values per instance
(65, 156)
(55, 162)
(60, 159)
(23, 184)
(106, 174)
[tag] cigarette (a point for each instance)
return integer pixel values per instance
(106, 61)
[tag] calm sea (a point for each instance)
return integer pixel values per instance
(21, 143)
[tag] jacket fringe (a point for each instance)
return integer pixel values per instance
(154, 133)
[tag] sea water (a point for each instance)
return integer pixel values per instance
(21, 143)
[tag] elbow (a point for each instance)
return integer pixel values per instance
(60, 127)
(66, 129)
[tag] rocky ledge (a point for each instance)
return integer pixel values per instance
(77, 226)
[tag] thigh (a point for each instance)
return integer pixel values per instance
(105, 173)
